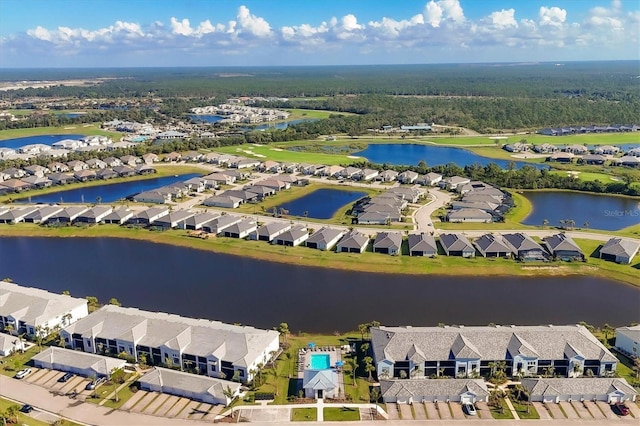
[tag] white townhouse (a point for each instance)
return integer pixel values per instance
(464, 352)
(28, 309)
(213, 348)
(628, 340)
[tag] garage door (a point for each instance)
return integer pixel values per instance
(548, 399)
(614, 399)
(466, 399)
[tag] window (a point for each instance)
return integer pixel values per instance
(88, 342)
(241, 373)
(213, 367)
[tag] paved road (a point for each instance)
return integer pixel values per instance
(422, 217)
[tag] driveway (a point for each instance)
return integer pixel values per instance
(606, 410)
(542, 410)
(555, 411)
(405, 411)
(432, 411)
(594, 411)
(568, 410)
(581, 410)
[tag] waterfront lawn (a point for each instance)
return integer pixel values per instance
(586, 139)
(161, 170)
(88, 129)
(345, 414)
(304, 414)
(587, 176)
(297, 113)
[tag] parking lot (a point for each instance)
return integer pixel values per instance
(434, 411)
(581, 410)
(159, 404)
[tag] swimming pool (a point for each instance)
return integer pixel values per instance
(320, 362)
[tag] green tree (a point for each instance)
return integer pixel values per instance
(362, 328)
(118, 375)
(353, 363)
(114, 301)
(369, 367)
(229, 394)
(283, 329)
(365, 348)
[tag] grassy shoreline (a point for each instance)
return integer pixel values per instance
(365, 262)
(83, 128)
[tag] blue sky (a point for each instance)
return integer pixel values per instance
(97, 33)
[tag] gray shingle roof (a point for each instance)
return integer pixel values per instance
(422, 242)
(354, 239)
(520, 241)
(240, 345)
(456, 242)
(388, 240)
(324, 235)
(432, 387)
(188, 382)
(101, 365)
(271, 228)
(561, 242)
(489, 243)
(576, 386)
(620, 247)
(491, 343)
(320, 379)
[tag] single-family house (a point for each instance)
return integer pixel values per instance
(77, 165)
(628, 341)
(593, 159)
(295, 236)
(16, 215)
(214, 180)
(422, 244)
(172, 157)
(119, 216)
(96, 163)
(628, 161)
(318, 384)
(469, 215)
(244, 196)
(619, 250)
(562, 157)
(577, 149)
(388, 243)
(155, 197)
(367, 174)
(353, 242)
(171, 134)
(42, 214)
(14, 172)
(241, 229)
(524, 247)
(408, 177)
(150, 158)
(452, 183)
(417, 391)
(193, 386)
(562, 247)
(149, 216)
(37, 170)
(225, 201)
(195, 184)
(106, 174)
(606, 150)
(387, 176)
(325, 238)
(350, 172)
(6, 153)
(212, 347)
(130, 160)
(84, 175)
(469, 351)
(457, 245)
(68, 214)
(175, 219)
(94, 214)
(553, 390)
(373, 218)
(80, 363)
(275, 184)
(193, 156)
(16, 185)
(490, 245)
(124, 171)
(36, 181)
(29, 310)
(112, 161)
(333, 171)
(271, 167)
(219, 224)
(58, 167)
(433, 179)
(245, 163)
(270, 230)
(261, 191)
(196, 221)
(61, 178)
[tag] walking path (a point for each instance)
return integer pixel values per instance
(514, 413)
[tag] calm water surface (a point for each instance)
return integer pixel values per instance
(233, 289)
(598, 211)
(107, 192)
(412, 154)
(43, 139)
(321, 203)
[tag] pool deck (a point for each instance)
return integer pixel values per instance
(335, 355)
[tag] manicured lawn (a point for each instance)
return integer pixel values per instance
(588, 176)
(304, 414)
(123, 396)
(586, 139)
(505, 414)
(87, 129)
(341, 414)
(17, 361)
(23, 419)
(105, 391)
(320, 114)
(521, 409)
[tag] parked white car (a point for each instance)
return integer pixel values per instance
(470, 409)
(23, 373)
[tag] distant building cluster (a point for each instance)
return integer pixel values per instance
(598, 155)
(574, 130)
(240, 113)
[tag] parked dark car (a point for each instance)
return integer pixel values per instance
(26, 408)
(621, 409)
(65, 378)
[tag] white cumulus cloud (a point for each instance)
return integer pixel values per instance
(504, 18)
(552, 16)
(252, 24)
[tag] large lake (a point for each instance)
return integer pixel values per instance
(107, 192)
(321, 203)
(598, 211)
(43, 139)
(195, 283)
(412, 154)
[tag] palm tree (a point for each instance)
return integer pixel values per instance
(228, 393)
(353, 363)
(607, 330)
(586, 225)
(368, 366)
(364, 348)
(283, 328)
(545, 223)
